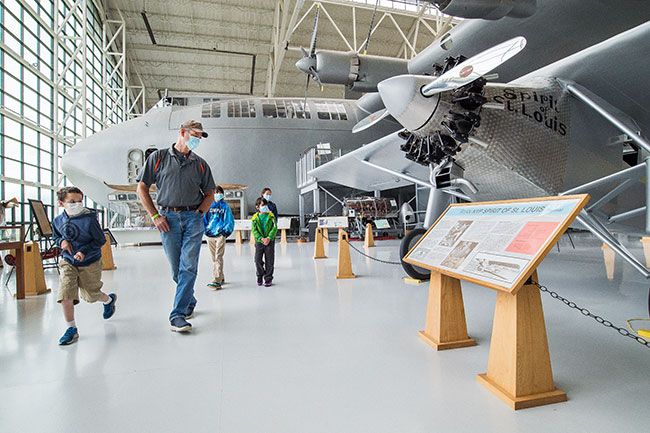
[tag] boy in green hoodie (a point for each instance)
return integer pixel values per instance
(264, 230)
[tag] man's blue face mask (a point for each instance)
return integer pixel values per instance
(194, 142)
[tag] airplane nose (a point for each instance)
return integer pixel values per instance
(305, 63)
(404, 101)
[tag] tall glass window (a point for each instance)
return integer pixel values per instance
(29, 157)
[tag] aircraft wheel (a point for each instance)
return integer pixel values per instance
(405, 246)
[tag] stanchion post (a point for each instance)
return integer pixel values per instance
(610, 261)
(370, 239)
(319, 246)
(646, 250)
(283, 236)
(33, 270)
(238, 237)
(344, 266)
(107, 255)
(445, 326)
(519, 365)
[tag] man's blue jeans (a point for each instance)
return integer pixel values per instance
(182, 245)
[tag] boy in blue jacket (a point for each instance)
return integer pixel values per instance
(219, 224)
(80, 237)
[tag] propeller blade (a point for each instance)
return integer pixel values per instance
(475, 66)
(368, 121)
(307, 88)
(314, 34)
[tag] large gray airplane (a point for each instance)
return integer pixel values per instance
(574, 125)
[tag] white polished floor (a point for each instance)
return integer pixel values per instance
(311, 354)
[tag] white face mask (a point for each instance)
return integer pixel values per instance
(73, 209)
(267, 196)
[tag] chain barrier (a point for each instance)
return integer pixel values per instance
(585, 312)
(388, 262)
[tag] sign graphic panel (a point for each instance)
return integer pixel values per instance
(496, 244)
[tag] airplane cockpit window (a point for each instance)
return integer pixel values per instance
(211, 109)
(176, 101)
(241, 108)
(331, 111)
(286, 109)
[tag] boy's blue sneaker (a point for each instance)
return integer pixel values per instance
(71, 335)
(109, 309)
(190, 312)
(179, 324)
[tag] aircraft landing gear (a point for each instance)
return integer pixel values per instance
(405, 246)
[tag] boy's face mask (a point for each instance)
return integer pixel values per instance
(73, 209)
(218, 196)
(264, 209)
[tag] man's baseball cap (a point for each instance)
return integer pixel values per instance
(193, 124)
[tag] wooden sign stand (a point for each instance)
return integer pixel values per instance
(238, 237)
(283, 236)
(344, 267)
(251, 238)
(319, 245)
(326, 234)
(107, 255)
(519, 365)
(33, 270)
(370, 239)
(445, 326)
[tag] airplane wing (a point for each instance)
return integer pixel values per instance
(357, 169)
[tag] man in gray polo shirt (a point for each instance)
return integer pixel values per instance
(185, 192)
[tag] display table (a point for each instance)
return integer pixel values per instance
(11, 238)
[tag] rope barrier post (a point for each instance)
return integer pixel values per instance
(33, 270)
(646, 250)
(107, 255)
(344, 266)
(445, 326)
(319, 246)
(283, 236)
(370, 239)
(519, 365)
(238, 238)
(610, 261)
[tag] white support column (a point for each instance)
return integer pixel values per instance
(115, 104)
(286, 30)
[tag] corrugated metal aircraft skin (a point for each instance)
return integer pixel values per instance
(556, 30)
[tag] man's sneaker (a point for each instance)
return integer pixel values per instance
(109, 309)
(71, 335)
(268, 284)
(190, 312)
(179, 324)
(259, 282)
(214, 285)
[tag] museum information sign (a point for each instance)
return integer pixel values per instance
(495, 244)
(245, 225)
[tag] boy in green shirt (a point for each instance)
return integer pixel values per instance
(264, 230)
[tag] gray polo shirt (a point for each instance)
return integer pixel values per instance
(181, 180)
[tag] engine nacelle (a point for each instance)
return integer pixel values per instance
(359, 72)
(487, 9)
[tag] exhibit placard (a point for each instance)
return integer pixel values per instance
(340, 222)
(495, 244)
(243, 225)
(382, 224)
(284, 223)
